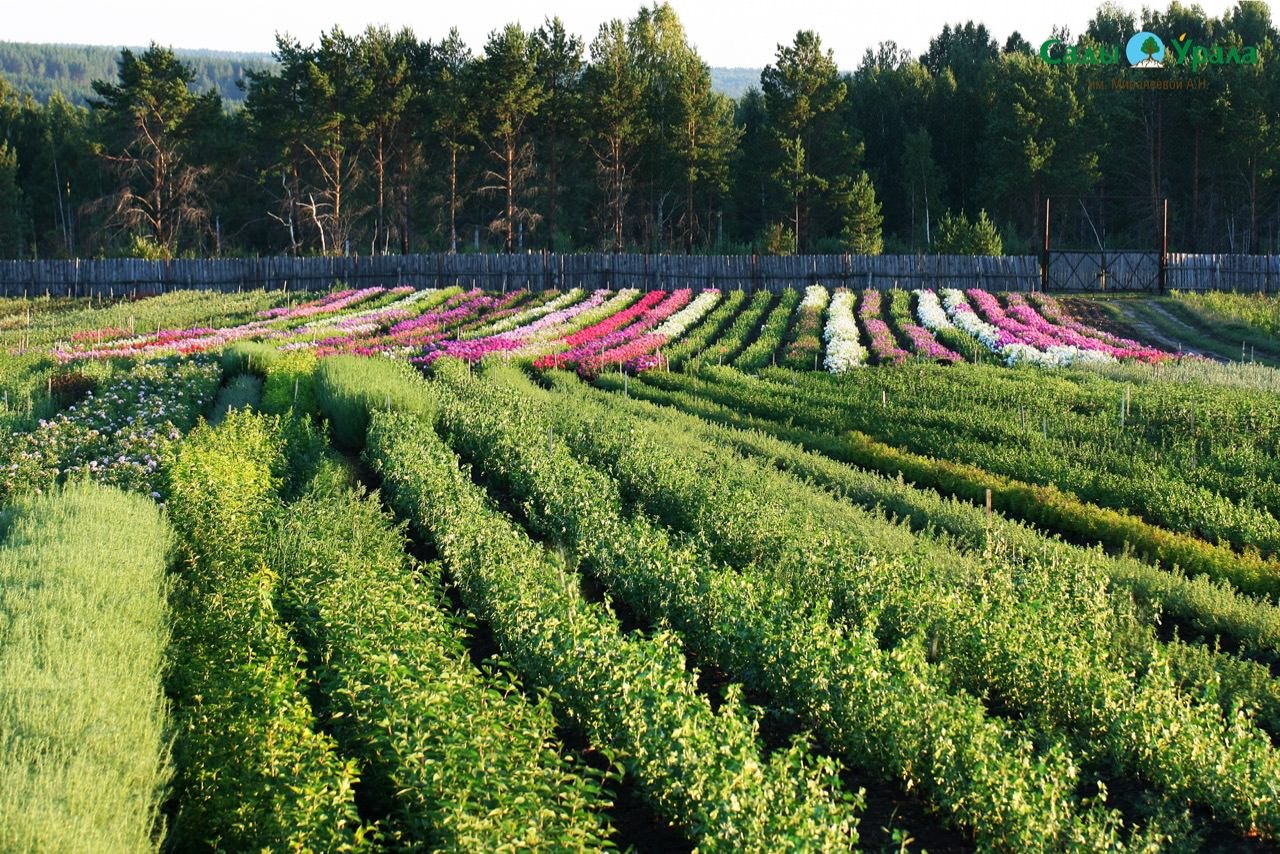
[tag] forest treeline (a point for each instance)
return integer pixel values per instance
(40, 70)
(380, 142)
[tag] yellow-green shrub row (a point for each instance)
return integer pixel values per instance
(456, 759)
(83, 628)
(254, 771)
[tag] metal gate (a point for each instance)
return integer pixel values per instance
(1103, 271)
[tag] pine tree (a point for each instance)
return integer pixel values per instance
(862, 225)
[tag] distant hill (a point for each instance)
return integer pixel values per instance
(42, 69)
(735, 82)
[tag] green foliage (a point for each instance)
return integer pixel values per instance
(991, 638)
(144, 246)
(290, 384)
(380, 141)
(253, 768)
(778, 239)
(15, 225)
(83, 733)
(862, 224)
(36, 322)
(632, 695)
(151, 120)
(1029, 472)
(244, 392)
(804, 340)
(763, 350)
(1202, 609)
(747, 621)
(958, 236)
(43, 69)
(1258, 310)
(732, 337)
(456, 757)
(348, 388)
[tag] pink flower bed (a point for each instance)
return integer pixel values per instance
(477, 348)
(882, 340)
(608, 333)
(614, 346)
(1125, 348)
(1014, 330)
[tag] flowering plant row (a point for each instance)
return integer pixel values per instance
(528, 315)
(1074, 337)
(806, 335)
(200, 339)
(923, 342)
(610, 332)
(116, 436)
(537, 328)
(673, 327)
(324, 305)
(882, 341)
(629, 342)
(1053, 311)
(841, 335)
(1013, 341)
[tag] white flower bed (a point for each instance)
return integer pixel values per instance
(841, 336)
(679, 323)
(1015, 353)
(815, 299)
(930, 311)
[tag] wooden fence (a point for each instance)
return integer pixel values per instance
(502, 272)
(540, 271)
(1248, 273)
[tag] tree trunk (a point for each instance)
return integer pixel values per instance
(551, 195)
(511, 195)
(453, 200)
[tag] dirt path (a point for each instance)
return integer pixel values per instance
(1149, 332)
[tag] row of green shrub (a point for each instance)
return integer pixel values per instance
(84, 756)
(1195, 462)
(1046, 505)
(733, 336)
(763, 350)
(701, 770)
(700, 336)
(254, 768)
(986, 615)
(883, 712)
(1210, 612)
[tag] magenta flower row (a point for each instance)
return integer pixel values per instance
(882, 340)
(1079, 335)
(593, 354)
(1053, 311)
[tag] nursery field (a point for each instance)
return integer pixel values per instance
(825, 570)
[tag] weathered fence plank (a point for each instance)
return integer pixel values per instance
(540, 271)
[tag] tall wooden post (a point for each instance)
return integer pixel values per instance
(1044, 253)
(1164, 247)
